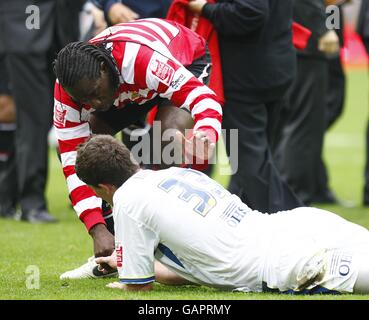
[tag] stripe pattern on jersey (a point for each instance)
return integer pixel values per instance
(149, 55)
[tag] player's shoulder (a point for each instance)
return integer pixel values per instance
(135, 187)
(143, 184)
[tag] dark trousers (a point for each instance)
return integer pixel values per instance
(300, 147)
(335, 100)
(257, 181)
(8, 182)
(31, 82)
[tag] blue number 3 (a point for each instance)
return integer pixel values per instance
(207, 201)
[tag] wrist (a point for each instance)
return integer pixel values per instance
(96, 229)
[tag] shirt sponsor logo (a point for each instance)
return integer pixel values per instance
(234, 214)
(176, 84)
(119, 252)
(341, 264)
(60, 114)
(162, 71)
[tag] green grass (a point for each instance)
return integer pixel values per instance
(66, 245)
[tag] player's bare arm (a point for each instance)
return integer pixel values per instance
(165, 276)
(162, 275)
(103, 240)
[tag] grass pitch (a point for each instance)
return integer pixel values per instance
(66, 245)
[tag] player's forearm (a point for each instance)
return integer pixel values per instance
(165, 276)
(203, 104)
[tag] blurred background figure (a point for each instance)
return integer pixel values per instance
(31, 33)
(300, 147)
(119, 11)
(334, 102)
(258, 66)
(363, 31)
(8, 177)
(92, 21)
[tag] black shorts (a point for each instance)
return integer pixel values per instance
(118, 119)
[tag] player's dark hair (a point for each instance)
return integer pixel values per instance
(104, 159)
(79, 60)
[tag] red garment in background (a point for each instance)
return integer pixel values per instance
(179, 12)
(300, 36)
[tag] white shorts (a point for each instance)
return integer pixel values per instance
(312, 248)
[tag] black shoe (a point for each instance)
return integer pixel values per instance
(35, 216)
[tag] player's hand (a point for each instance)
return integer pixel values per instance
(106, 264)
(196, 6)
(103, 241)
(115, 285)
(329, 43)
(198, 147)
(119, 13)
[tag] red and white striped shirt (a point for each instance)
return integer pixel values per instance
(151, 56)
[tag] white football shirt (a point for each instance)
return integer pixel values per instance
(189, 223)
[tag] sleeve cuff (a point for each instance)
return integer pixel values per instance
(91, 218)
(137, 280)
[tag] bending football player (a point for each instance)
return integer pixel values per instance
(110, 82)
